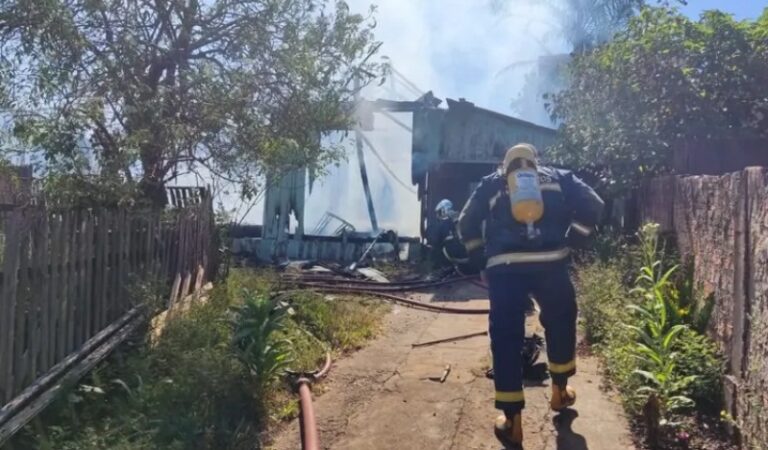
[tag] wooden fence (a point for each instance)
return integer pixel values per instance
(721, 226)
(67, 276)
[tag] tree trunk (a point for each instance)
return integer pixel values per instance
(153, 192)
(152, 185)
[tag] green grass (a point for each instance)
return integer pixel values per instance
(190, 390)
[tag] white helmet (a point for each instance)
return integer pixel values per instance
(444, 208)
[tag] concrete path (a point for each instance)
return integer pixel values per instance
(381, 398)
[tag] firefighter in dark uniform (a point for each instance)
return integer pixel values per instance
(447, 249)
(529, 259)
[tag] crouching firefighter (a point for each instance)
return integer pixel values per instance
(446, 247)
(531, 214)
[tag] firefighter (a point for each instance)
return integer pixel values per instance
(446, 247)
(531, 213)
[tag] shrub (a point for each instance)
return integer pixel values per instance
(602, 301)
(255, 325)
(698, 357)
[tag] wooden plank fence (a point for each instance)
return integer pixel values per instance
(66, 276)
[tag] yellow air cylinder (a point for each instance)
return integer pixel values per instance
(523, 183)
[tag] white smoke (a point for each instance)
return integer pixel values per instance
(455, 48)
(470, 49)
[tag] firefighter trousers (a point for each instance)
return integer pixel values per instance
(509, 295)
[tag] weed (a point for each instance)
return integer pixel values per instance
(602, 301)
(698, 357)
(345, 322)
(255, 325)
(657, 327)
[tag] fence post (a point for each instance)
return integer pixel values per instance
(12, 231)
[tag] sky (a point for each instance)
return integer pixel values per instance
(455, 48)
(741, 9)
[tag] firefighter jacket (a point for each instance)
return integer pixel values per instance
(440, 230)
(571, 212)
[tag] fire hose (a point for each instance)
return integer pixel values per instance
(398, 285)
(370, 288)
(402, 300)
(310, 438)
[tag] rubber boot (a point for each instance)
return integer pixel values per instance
(509, 431)
(562, 397)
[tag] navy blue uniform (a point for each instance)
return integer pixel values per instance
(517, 267)
(448, 248)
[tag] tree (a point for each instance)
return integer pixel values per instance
(586, 23)
(583, 25)
(137, 91)
(664, 79)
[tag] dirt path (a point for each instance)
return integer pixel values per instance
(379, 398)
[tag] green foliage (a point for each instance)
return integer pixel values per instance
(695, 309)
(139, 92)
(656, 327)
(343, 321)
(645, 333)
(699, 358)
(189, 391)
(609, 245)
(663, 80)
(208, 381)
(255, 324)
(602, 302)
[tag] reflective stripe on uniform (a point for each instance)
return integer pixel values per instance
(562, 368)
(529, 257)
(581, 228)
(493, 200)
(510, 396)
(551, 187)
(454, 260)
(473, 244)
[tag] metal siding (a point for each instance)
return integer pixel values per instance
(480, 136)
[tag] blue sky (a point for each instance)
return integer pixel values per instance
(741, 9)
(456, 48)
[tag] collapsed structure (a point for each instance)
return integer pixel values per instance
(452, 149)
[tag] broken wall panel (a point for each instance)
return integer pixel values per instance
(320, 248)
(284, 196)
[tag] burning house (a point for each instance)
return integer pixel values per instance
(452, 149)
